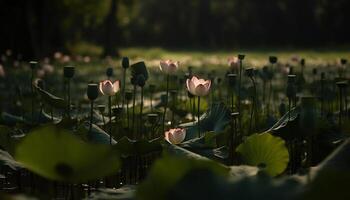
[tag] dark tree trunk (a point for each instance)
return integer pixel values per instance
(111, 31)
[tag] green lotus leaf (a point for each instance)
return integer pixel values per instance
(265, 151)
(10, 120)
(128, 147)
(7, 160)
(96, 135)
(138, 68)
(52, 100)
(58, 155)
(127, 192)
(215, 119)
(169, 172)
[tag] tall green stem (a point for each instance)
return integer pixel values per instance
(123, 87)
(68, 100)
(198, 116)
(140, 129)
(91, 114)
(239, 94)
(32, 93)
(110, 118)
(166, 101)
(133, 112)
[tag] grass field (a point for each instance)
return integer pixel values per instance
(254, 57)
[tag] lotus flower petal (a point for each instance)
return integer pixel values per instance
(175, 136)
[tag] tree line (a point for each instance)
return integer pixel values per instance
(38, 28)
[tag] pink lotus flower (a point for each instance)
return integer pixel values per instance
(108, 88)
(175, 136)
(198, 87)
(168, 66)
(233, 63)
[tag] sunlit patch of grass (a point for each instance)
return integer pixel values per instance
(254, 57)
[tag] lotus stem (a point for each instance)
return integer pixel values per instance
(68, 100)
(340, 106)
(166, 101)
(140, 127)
(110, 118)
(123, 88)
(151, 99)
(32, 94)
(198, 117)
(127, 115)
(91, 114)
(289, 107)
(133, 112)
(239, 93)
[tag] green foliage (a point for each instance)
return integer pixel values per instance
(129, 147)
(214, 119)
(137, 69)
(52, 100)
(56, 154)
(7, 160)
(266, 152)
(169, 171)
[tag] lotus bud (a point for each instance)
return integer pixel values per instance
(323, 76)
(168, 66)
(314, 71)
(68, 71)
(241, 56)
(198, 87)
(302, 62)
(109, 72)
(273, 59)
(125, 62)
(92, 91)
(343, 61)
(108, 88)
(175, 136)
(250, 72)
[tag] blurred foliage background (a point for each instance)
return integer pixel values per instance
(39, 28)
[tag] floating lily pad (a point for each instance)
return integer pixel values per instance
(58, 155)
(265, 151)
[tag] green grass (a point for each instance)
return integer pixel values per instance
(254, 57)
